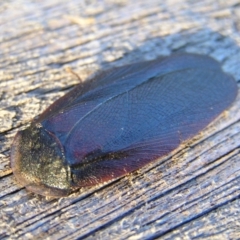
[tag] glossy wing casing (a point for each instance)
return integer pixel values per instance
(127, 117)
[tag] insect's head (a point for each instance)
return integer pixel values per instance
(38, 162)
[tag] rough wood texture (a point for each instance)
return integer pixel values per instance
(192, 193)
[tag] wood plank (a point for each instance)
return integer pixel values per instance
(191, 193)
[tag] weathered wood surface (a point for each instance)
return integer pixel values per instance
(192, 193)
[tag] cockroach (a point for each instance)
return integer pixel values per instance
(120, 121)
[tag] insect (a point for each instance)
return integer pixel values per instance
(119, 121)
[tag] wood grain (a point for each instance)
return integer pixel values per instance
(192, 193)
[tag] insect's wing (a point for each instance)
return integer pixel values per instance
(121, 79)
(146, 122)
(61, 116)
